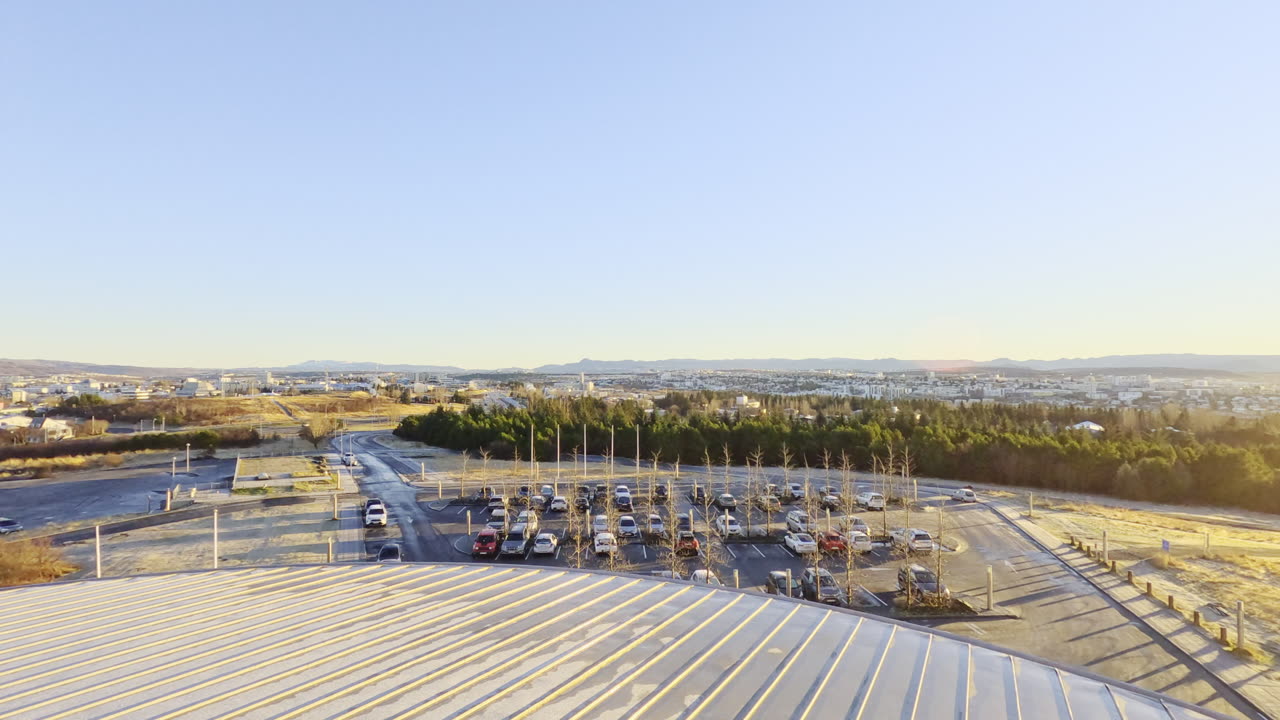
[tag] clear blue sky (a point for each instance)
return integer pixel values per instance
(498, 184)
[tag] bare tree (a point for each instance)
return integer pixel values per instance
(462, 479)
(728, 460)
(575, 535)
(484, 468)
(787, 457)
(706, 457)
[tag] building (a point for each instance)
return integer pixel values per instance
(436, 640)
(194, 388)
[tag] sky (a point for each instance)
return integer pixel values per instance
(512, 184)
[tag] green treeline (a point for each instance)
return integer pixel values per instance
(200, 440)
(1168, 456)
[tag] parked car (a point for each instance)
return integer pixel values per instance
(684, 523)
(920, 580)
(656, 526)
(624, 503)
(768, 503)
(776, 584)
(599, 524)
(371, 502)
(602, 493)
(821, 586)
(9, 526)
(547, 492)
(660, 492)
(686, 543)
(544, 544)
(538, 502)
(627, 527)
(861, 541)
(853, 523)
(795, 491)
(799, 521)
(699, 496)
(964, 495)
(871, 501)
(705, 576)
(667, 574)
(529, 519)
(621, 490)
(497, 502)
(830, 541)
(829, 502)
(486, 544)
(522, 495)
(727, 525)
(911, 540)
(517, 543)
(582, 502)
(585, 491)
(800, 543)
(829, 490)
(390, 553)
(606, 543)
(774, 490)
(726, 501)
(558, 504)
(497, 520)
(375, 516)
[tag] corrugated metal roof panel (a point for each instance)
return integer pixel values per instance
(484, 641)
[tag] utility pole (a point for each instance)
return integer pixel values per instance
(557, 453)
(637, 453)
(611, 452)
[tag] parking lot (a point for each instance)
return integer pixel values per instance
(746, 560)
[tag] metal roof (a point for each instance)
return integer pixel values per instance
(486, 641)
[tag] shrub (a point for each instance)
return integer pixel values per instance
(24, 562)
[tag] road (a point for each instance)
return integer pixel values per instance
(1063, 617)
(96, 494)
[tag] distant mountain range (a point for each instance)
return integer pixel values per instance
(1186, 361)
(1153, 363)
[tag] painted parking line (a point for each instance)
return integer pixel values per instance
(758, 550)
(789, 551)
(460, 511)
(732, 554)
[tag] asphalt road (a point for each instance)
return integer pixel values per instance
(1063, 617)
(95, 494)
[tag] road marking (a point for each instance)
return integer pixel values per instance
(758, 551)
(976, 629)
(645, 550)
(557, 552)
(732, 554)
(795, 655)
(789, 551)
(460, 511)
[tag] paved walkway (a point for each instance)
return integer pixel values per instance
(1259, 684)
(350, 545)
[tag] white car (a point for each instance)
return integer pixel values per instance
(621, 490)
(544, 544)
(800, 522)
(606, 544)
(376, 515)
(911, 539)
(859, 541)
(656, 526)
(528, 519)
(801, 543)
(705, 576)
(349, 459)
(964, 495)
(871, 500)
(795, 490)
(600, 524)
(728, 525)
(496, 503)
(627, 527)
(559, 503)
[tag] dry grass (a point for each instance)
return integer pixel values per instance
(47, 467)
(23, 562)
(293, 466)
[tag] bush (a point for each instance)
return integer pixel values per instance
(24, 562)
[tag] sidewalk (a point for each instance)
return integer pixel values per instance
(1259, 684)
(350, 544)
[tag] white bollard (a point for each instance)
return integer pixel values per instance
(215, 538)
(1239, 623)
(991, 589)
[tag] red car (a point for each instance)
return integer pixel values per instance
(686, 543)
(831, 541)
(486, 544)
